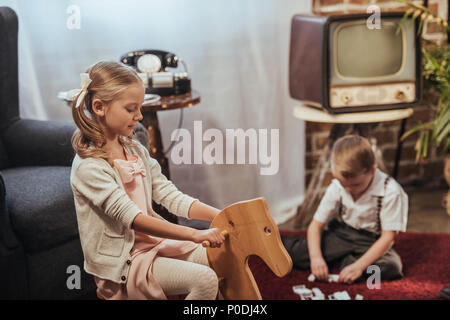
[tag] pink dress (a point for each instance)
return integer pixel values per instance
(140, 284)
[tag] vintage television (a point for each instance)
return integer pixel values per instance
(339, 64)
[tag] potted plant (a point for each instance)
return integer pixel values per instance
(436, 75)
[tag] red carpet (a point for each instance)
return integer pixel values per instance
(426, 266)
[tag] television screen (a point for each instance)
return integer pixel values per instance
(361, 52)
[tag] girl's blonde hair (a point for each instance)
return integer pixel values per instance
(109, 80)
(352, 155)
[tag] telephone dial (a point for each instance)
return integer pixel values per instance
(151, 66)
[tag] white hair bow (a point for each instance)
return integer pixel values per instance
(72, 94)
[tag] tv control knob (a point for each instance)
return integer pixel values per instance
(346, 98)
(400, 95)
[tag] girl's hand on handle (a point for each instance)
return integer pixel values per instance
(214, 236)
(319, 268)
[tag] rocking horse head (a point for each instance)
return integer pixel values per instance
(250, 230)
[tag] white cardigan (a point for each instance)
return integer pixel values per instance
(105, 213)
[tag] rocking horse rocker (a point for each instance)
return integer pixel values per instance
(249, 230)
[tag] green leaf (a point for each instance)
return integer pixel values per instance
(443, 134)
(419, 127)
(425, 144)
(432, 60)
(446, 147)
(442, 120)
(419, 30)
(419, 147)
(402, 22)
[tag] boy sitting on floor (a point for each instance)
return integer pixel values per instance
(372, 207)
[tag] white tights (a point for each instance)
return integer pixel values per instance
(187, 274)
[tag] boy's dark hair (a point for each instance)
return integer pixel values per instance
(352, 155)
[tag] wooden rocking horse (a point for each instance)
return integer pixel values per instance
(249, 230)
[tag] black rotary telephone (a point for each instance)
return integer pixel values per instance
(151, 66)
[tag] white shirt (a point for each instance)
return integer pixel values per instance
(362, 213)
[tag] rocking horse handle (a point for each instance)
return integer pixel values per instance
(206, 243)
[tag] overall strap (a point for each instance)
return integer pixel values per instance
(379, 204)
(340, 210)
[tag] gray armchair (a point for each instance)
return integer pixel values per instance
(38, 228)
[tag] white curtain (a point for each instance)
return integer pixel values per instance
(237, 53)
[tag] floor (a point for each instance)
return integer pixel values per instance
(426, 212)
(426, 215)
